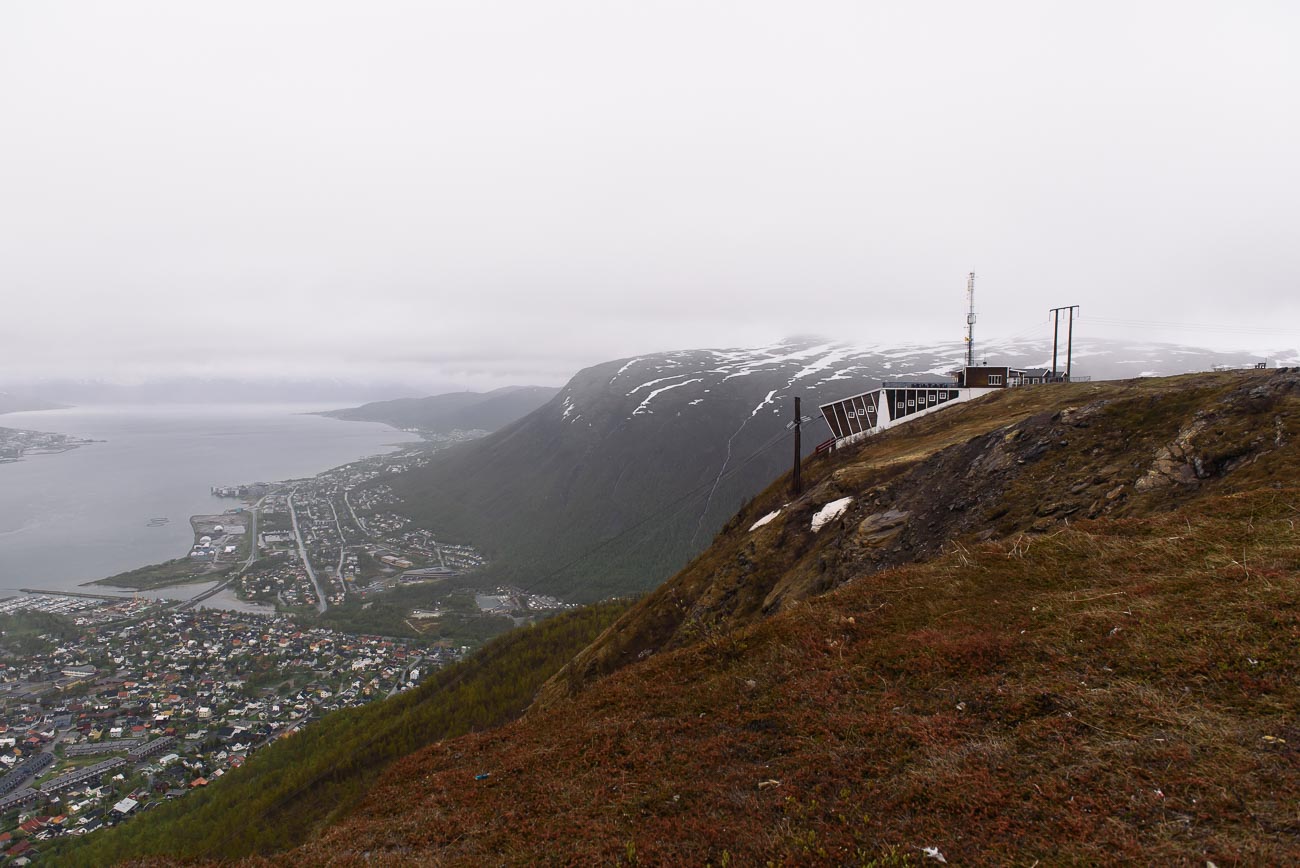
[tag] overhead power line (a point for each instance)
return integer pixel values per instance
(1208, 327)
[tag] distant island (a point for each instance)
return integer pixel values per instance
(18, 404)
(15, 443)
(452, 412)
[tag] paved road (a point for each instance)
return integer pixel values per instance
(401, 679)
(342, 546)
(361, 524)
(252, 534)
(321, 604)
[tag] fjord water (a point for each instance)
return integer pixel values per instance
(85, 514)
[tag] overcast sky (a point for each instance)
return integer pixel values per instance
(485, 192)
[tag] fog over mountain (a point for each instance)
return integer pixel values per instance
(485, 194)
(590, 254)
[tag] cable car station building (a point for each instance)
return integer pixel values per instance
(859, 416)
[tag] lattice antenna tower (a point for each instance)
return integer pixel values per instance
(970, 320)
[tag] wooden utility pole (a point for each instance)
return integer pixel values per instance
(797, 484)
(1069, 339)
(1056, 328)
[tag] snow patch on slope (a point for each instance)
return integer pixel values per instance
(763, 403)
(838, 375)
(654, 382)
(624, 368)
(744, 363)
(643, 407)
(830, 512)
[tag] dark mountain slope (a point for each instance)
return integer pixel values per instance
(1027, 460)
(1115, 689)
(454, 411)
(655, 454)
(548, 488)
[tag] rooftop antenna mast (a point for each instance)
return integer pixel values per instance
(970, 321)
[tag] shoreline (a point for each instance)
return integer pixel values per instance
(17, 444)
(225, 576)
(174, 574)
(189, 570)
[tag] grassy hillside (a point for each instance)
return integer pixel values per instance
(291, 789)
(1092, 662)
(1091, 691)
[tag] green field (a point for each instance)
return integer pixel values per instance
(181, 571)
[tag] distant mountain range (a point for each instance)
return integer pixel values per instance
(214, 390)
(635, 464)
(464, 411)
